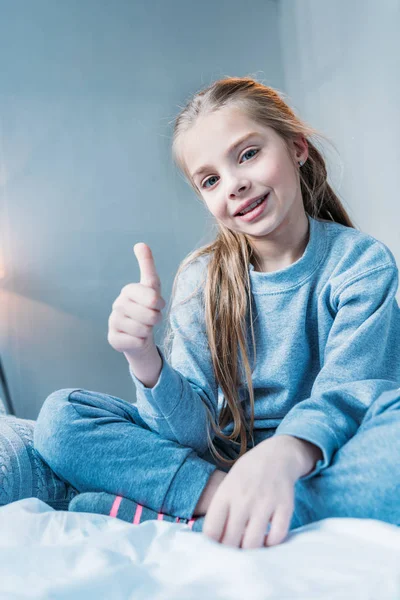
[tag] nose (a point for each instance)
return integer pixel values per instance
(237, 188)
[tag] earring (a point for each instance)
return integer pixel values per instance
(301, 163)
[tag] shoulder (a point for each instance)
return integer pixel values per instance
(190, 278)
(353, 254)
(195, 271)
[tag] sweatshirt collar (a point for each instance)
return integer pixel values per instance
(298, 272)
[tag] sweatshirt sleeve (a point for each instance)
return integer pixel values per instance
(175, 407)
(361, 361)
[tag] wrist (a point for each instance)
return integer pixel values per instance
(146, 368)
(302, 454)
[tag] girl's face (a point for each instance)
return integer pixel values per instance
(259, 165)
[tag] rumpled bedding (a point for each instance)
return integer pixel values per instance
(56, 554)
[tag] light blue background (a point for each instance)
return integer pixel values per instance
(88, 94)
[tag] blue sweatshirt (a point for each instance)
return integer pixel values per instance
(327, 332)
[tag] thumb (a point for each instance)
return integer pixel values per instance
(148, 272)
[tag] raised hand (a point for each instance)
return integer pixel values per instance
(137, 309)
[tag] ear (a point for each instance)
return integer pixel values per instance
(300, 148)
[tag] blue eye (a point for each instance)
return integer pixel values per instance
(244, 154)
(204, 184)
(252, 150)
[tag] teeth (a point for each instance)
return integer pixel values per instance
(249, 208)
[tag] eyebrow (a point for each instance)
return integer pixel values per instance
(231, 149)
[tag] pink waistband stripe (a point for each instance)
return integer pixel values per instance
(115, 506)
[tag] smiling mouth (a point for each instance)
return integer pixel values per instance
(256, 203)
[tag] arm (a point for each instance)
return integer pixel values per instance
(174, 406)
(146, 370)
(361, 361)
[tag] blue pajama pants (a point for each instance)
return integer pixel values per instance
(97, 442)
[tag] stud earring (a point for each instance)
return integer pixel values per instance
(301, 163)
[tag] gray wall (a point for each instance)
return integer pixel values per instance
(88, 93)
(341, 64)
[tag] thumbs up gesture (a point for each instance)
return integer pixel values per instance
(137, 309)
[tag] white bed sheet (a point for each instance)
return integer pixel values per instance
(58, 554)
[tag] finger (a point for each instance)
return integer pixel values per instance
(235, 527)
(279, 526)
(254, 536)
(133, 328)
(136, 293)
(216, 518)
(148, 271)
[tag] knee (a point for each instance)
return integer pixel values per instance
(51, 425)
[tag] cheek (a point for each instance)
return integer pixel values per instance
(214, 208)
(214, 205)
(275, 172)
(280, 174)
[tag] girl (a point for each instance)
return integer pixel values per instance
(307, 427)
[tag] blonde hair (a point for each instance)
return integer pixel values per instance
(227, 292)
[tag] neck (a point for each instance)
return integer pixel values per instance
(287, 247)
